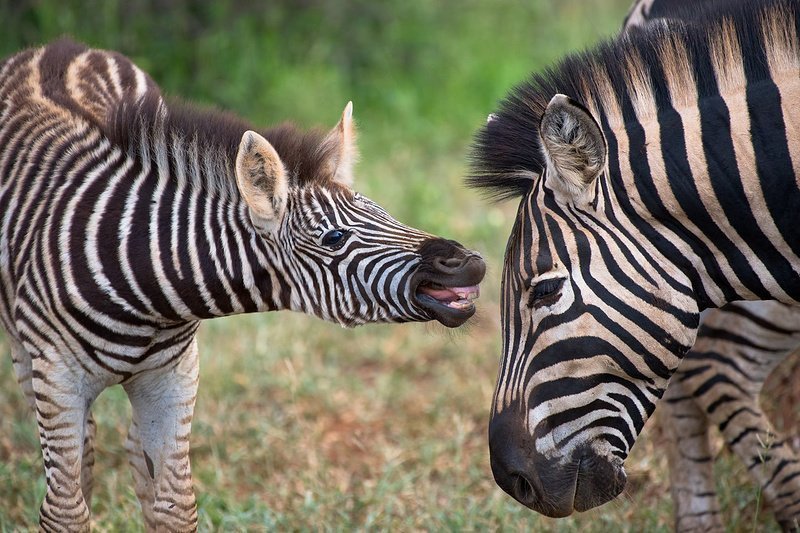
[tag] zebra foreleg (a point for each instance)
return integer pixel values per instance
(143, 483)
(61, 412)
(770, 460)
(163, 404)
(690, 461)
(87, 461)
(732, 405)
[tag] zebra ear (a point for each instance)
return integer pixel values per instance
(574, 145)
(261, 179)
(341, 144)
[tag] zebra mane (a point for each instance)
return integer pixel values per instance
(151, 124)
(610, 79)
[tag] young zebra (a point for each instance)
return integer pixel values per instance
(720, 380)
(125, 220)
(658, 176)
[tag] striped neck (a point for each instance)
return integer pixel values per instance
(723, 201)
(195, 253)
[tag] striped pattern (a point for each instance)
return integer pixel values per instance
(125, 220)
(719, 383)
(659, 177)
(720, 380)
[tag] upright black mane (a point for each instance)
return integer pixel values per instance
(506, 155)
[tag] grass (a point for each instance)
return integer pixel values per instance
(301, 425)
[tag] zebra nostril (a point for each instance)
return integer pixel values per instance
(448, 265)
(523, 489)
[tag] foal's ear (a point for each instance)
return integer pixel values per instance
(340, 143)
(573, 145)
(261, 179)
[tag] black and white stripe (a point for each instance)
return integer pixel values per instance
(720, 380)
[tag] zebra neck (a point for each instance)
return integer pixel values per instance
(197, 245)
(717, 184)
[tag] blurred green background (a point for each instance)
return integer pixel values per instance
(299, 424)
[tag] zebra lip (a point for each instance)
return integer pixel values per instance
(451, 306)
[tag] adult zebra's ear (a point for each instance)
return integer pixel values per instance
(340, 147)
(574, 145)
(261, 179)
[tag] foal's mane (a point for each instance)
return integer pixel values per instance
(216, 134)
(506, 155)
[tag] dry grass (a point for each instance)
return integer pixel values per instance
(302, 425)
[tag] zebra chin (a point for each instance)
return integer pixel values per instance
(552, 486)
(446, 281)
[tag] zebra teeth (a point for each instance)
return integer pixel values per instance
(460, 304)
(450, 298)
(455, 297)
(467, 293)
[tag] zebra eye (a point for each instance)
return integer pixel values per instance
(544, 292)
(334, 238)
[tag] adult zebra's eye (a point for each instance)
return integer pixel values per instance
(545, 291)
(334, 238)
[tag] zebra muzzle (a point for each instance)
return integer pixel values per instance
(446, 284)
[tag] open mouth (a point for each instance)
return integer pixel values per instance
(451, 306)
(446, 282)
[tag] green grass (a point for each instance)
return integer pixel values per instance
(301, 425)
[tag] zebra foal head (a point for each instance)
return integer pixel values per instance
(344, 258)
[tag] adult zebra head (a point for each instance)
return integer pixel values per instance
(637, 212)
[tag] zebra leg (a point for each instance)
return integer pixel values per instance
(87, 461)
(685, 429)
(163, 404)
(143, 484)
(62, 414)
(727, 389)
(23, 369)
(767, 454)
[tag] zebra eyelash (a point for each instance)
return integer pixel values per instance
(545, 292)
(335, 238)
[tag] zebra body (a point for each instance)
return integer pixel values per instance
(658, 176)
(126, 220)
(720, 380)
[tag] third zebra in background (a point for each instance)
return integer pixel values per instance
(719, 382)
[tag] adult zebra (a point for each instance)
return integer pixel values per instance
(720, 380)
(125, 220)
(663, 184)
